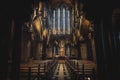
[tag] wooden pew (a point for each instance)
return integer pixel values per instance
(80, 72)
(40, 72)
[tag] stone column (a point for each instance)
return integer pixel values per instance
(44, 46)
(83, 51)
(39, 51)
(93, 50)
(70, 51)
(26, 47)
(78, 50)
(65, 50)
(89, 48)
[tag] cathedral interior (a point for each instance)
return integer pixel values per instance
(60, 40)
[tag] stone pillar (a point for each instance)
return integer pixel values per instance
(44, 46)
(16, 55)
(89, 48)
(5, 31)
(70, 51)
(39, 51)
(49, 52)
(107, 64)
(52, 51)
(78, 50)
(83, 51)
(33, 49)
(26, 48)
(65, 50)
(93, 50)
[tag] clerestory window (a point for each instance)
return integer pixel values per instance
(61, 21)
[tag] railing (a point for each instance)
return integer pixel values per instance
(41, 72)
(80, 72)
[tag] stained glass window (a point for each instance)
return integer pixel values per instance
(61, 21)
(58, 21)
(54, 22)
(68, 22)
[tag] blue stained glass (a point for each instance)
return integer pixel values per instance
(53, 21)
(68, 22)
(58, 20)
(63, 20)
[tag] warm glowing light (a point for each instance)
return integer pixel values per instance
(78, 33)
(44, 33)
(61, 49)
(86, 23)
(34, 14)
(40, 6)
(37, 24)
(89, 78)
(81, 17)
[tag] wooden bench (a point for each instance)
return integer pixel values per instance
(39, 72)
(80, 72)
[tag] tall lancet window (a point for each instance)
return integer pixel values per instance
(58, 20)
(54, 31)
(63, 20)
(68, 12)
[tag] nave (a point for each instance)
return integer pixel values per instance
(32, 33)
(61, 72)
(58, 69)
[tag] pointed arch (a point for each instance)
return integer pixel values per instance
(61, 17)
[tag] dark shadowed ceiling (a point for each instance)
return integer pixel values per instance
(58, 1)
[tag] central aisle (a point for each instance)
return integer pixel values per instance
(61, 72)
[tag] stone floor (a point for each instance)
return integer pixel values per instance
(61, 72)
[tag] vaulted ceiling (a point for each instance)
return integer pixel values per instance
(53, 2)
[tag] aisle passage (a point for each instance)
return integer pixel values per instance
(61, 72)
